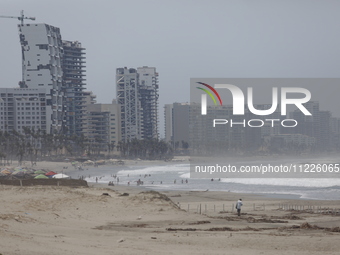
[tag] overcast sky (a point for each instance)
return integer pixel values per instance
(184, 39)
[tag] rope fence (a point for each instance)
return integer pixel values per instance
(204, 208)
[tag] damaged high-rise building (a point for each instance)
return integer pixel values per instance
(74, 85)
(58, 67)
(137, 94)
(42, 54)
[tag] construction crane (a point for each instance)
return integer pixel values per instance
(21, 18)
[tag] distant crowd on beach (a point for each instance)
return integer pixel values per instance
(138, 182)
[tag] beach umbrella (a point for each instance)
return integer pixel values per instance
(60, 176)
(39, 172)
(41, 176)
(19, 174)
(5, 171)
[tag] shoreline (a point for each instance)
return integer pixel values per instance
(68, 169)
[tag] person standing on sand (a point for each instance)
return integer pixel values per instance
(238, 206)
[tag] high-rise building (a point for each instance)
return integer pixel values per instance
(42, 57)
(128, 99)
(137, 95)
(73, 84)
(180, 122)
(148, 91)
(168, 122)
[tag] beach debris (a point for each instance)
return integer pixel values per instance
(199, 222)
(120, 240)
(254, 220)
(219, 229)
(181, 229)
(106, 194)
(306, 225)
(140, 217)
(153, 237)
(288, 217)
(124, 194)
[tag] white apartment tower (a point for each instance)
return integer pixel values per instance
(127, 98)
(42, 56)
(137, 95)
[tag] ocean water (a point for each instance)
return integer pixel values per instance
(174, 177)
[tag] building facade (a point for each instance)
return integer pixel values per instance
(24, 107)
(102, 124)
(168, 108)
(137, 95)
(148, 96)
(73, 67)
(42, 57)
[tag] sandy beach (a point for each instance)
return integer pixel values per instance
(67, 220)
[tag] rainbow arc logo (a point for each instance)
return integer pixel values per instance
(209, 93)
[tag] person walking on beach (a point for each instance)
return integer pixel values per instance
(238, 206)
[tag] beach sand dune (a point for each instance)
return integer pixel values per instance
(98, 220)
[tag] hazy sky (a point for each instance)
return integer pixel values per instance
(184, 39)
